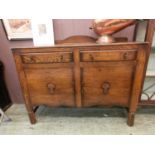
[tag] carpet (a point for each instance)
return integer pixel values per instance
(91, 121)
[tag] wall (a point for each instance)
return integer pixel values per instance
(10, 71)
(66, 27)
(62, 29)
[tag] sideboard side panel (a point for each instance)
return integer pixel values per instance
(24, 87)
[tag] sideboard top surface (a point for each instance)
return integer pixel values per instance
(82, 45)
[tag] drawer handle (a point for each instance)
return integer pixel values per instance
(106, 87)
(51, 87)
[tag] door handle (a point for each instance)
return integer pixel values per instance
(106, 87)
(51, 87)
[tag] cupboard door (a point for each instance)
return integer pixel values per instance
(109, 84)
(53, 87)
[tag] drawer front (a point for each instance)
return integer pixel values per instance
(53, 87)
(113, 55)
(109, 85)
(54, 57)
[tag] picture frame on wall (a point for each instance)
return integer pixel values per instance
(17, 29)
(42, 31)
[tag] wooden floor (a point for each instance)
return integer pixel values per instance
(73, 121)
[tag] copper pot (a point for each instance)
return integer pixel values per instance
(106, 27)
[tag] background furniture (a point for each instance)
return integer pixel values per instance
(5, 100)
(145, 32)
(82, 75)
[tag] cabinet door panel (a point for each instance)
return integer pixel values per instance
(53, 87)
(107, 85)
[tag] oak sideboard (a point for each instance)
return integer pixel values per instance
(82, 75)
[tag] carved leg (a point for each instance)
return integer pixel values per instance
(131, 116)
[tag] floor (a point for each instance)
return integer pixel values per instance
(78, 121)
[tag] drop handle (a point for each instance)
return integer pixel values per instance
(106, 87)
(51, 88)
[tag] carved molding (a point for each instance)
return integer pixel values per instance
(53, 58)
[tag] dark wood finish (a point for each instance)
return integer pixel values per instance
(93, 75)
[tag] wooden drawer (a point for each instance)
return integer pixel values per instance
(105, 55)
(54, 57)
(107, 85)
(53, 87)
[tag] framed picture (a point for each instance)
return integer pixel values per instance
(42, 31)
(18, 28)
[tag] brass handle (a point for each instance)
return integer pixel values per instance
(51, 87)
(106, 87)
